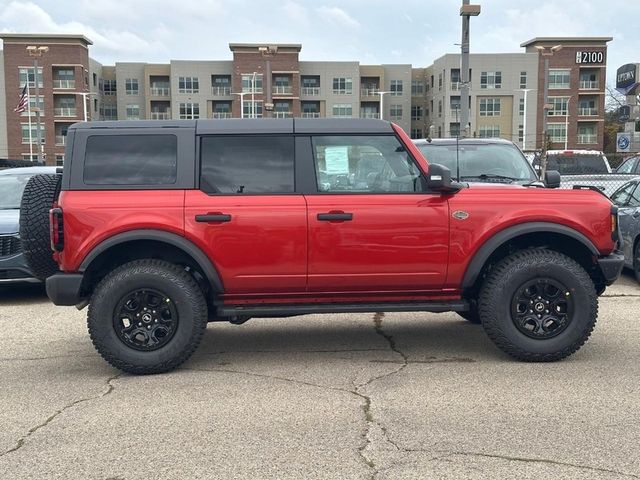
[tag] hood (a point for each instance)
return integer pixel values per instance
(494, 185)
(9, 221)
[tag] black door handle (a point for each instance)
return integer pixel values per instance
(213, 217)
(335, 217)
(636, 214)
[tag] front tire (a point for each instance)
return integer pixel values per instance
(538, 305)
(636, 261)
(147, 316)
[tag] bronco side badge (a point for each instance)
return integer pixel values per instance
(460, 215)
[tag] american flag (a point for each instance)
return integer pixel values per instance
(23, 102)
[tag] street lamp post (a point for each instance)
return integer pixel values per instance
(524, 120)
(382, 94)
(546, 52)
(36, 52)
(566, 124)
(241, 95)
(466, 11)
(84, 102)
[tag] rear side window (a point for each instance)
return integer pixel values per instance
(131, 160)
(577, 164)
(247, 164)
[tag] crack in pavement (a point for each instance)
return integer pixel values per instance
(222, 352)
(368, 414)
(621, 295)
(530, 460)
(22, 440)
(52, 357)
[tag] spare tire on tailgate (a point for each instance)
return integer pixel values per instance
(38, 197)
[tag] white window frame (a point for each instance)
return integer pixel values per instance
(342, 110)
(395, 112)
(560, 107)
(189, 85)
(554, 73)
(189, 110)
(489, 131)
(130, 109)
(345, 85)
(557, 132)
(396, 87)
(491, 80)
(490, 107)
(129, 84)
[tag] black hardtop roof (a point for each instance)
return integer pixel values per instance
(253, 125)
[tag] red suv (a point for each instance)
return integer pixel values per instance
(161, 227)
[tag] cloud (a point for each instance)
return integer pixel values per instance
(338, 17)
(297, 13)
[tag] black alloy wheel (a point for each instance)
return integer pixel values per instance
(145, 319)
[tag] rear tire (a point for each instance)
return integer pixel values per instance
(538, 305)
(147, 316)
(39, 195)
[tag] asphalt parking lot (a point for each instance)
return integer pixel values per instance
(337, 396)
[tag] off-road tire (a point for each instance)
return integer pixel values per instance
(38, 197)
(502, 283)
(188, 300)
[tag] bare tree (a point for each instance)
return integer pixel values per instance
(613, 99)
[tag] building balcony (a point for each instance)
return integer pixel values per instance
(369, 115)
(310, 91)
(221, 91)
(310, 115)
(160, 91)
(588, 112)
(584, 138)
(64, 111)
(160, 115)
(282, 90)
(61, 140)
(369, 91)
(282, 114)
(589, 85)
(67, 84)
(221, 115)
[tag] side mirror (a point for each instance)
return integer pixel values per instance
(552, 179)
(439, 179)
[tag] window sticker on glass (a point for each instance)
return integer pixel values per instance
(336, 160)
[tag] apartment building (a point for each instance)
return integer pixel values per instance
(269, 80)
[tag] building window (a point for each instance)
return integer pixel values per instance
(455, 79)
(395, 112)
(557, 132)
(560, 106)
(489, 107)
(521, 107)
(282, 109)
(589, 81)
(189, 111)
(454, 104)
(342, 86)
(521, 133)
(523, 79)
(439, 108)
(416, 112)
(490, 80)
(34, 133)
(131, 86)
(587, 107)
(32, 106)
(109, 87)
(489, 131)
(133, 112)
(587, 134)
(342, 110)
(310, 84)
(95, 104)
(416, 133)
(27, 74)
(439, 82)
(59, 160)
(559, 79)
(252, 83)
(417, 88)
(109, 112)
(396, 88)
(188, 85)
(30, 158)
(252, 109)
(454, 129)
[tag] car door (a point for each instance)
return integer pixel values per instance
(628, 216)
(246, 215)
(372, 225)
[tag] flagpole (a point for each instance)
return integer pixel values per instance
(29, 111)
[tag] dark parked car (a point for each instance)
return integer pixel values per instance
(13, 267)
(627, 198)
(490, 160)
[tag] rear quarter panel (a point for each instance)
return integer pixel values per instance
(92, 216)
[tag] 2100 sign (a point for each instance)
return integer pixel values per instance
(589, 57)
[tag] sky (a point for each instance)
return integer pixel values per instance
(368, 31)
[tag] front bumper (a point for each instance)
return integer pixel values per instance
(611, 266)
(64, 288)
(14, 269)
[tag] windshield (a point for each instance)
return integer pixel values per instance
(475, 161)
(11, 188)
(577, 164)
